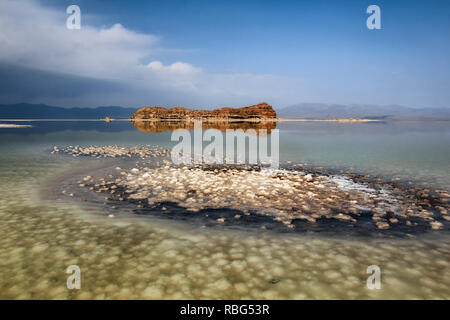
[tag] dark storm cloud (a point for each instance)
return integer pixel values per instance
(18, 84)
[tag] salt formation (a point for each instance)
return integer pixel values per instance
(282, 195)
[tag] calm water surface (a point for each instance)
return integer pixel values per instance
(128, 257)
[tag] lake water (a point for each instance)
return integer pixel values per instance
(42, 232)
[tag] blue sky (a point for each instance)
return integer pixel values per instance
(285, 52)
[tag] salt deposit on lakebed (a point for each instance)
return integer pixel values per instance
(112, 151)
(293, 198)
(164, 259)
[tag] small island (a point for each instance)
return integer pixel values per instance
(256, 113)
(159, 119)
(107, 119)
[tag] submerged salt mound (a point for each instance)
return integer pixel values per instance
(113, 151)
(290, 198)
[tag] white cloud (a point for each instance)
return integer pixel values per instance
(179, 75)
(35, 36)
(178, 68)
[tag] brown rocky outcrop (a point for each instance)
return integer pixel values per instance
(262, 111)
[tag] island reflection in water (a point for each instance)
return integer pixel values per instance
(161, 126)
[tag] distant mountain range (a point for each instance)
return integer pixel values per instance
(298, 111)
(42, 111)
(333, 111)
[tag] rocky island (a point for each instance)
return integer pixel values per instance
(159, 119)
(258, 112)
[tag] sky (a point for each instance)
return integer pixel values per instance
(224, 53)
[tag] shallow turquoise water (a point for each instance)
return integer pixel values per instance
(131, 258)
(417, 151)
